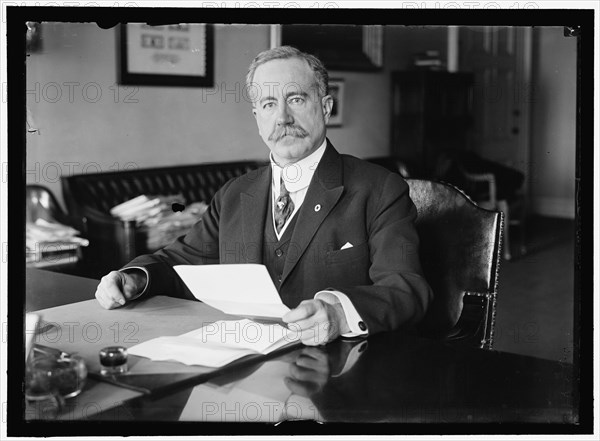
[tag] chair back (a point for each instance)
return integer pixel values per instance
(460, 253)
(41, 204)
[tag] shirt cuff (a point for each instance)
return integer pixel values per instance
(352, 358)
(124, 270)
(358, 327)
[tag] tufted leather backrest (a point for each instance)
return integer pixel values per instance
(459, 249)
(102, 191)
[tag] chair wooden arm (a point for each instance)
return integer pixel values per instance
(476, 324)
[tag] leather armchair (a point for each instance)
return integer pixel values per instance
(491, 185)
(460, 245)
(513, 207)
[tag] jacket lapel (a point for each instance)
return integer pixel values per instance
(323, 194)
(254, 202)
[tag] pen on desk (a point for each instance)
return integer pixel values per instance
(112, 379)
(50, 351)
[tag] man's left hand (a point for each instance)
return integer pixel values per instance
(320, 322)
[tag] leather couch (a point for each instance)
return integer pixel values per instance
(113, 242)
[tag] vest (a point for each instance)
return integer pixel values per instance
(275, 250)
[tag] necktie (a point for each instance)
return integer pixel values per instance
(284, 207)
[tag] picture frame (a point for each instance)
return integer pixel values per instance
(339, 47)
(180, 55)
(336, 90)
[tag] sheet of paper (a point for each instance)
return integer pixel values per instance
(217, 344)
(235, 334)
(239, 289)
(188, 351)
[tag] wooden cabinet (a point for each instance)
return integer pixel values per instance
(432, 111)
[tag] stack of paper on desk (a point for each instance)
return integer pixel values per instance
(239, 289)
(243, 290)
(218, 343)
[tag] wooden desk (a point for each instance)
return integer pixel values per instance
(394, 378)
(45, 289)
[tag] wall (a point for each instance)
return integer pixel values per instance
(87, 123)
(143, 127)
(553, 123)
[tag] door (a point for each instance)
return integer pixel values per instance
(500, 58)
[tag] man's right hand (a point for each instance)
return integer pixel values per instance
(118, 287)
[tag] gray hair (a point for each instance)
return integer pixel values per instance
(285, 52)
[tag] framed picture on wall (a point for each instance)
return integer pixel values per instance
(170, 55)
(336, 90)
(339, 47)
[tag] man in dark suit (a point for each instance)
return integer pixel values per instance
(336, 233)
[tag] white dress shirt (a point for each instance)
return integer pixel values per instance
(297, 177)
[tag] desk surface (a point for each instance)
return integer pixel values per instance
(390, 377)
(45, 289)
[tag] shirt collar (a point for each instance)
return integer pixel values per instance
(297, 175)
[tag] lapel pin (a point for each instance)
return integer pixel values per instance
(317, 207)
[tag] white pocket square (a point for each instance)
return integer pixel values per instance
(346, 246)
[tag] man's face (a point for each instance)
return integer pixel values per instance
(291, 117)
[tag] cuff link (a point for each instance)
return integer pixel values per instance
(362, 326)
(318, 207)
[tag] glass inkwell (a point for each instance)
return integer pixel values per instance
(113, 360)
(51, 377)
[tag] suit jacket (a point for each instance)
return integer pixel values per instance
(348, 200)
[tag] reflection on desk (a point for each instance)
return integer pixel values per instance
(273, 391)
(421, 381)
(248, 400)
(390, 377)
